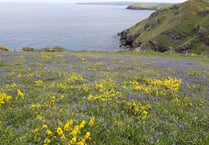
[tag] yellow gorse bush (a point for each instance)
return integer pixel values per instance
(176, 100)
(4, 98)
(34, 106)
(106, 93)
(46, 56)
(72, 133)
(104, 85)
(68, 125)
(61, 86)
(47, 141)
(49, 132)
(139, 110)
(85, 88)
(75, 78)
(91, 122)
(99, 87)
(106, 96)
(193, 54)
(60, 133)
(50, 49)
(13, 85)
(38, 83)
(48, 103)
(155, 87)
(195, 73)
(69, 133)
(3, 48)
(20, 93)
(147, 89)
(168, 83)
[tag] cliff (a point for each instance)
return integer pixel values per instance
(181, 27)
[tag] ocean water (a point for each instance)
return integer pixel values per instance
(74, 27)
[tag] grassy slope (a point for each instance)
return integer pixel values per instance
(185, 20)
(148, 6)
(175, 117)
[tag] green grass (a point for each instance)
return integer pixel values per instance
(149, 6)
(135, 98)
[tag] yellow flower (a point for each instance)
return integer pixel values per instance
(47, 141)
(146, 107)
(82, 142)
(34, 106)
(62, 97)
(36, 130)
(144, 114)
(87, 136)
(61, 86)
(62, 137)
(67, 127)
(13, 85)
(76, 78)
(59, 131)
(4, 98)
(176, 100)
(73, 140)
(85, 88)
(50, 49)
(48, 132)
(38, 139)
(70, 122)
(75, 131)
(82, 125)
(20, 75)
(91, 122)
(19, 93)
(44, 126)
(38, 83)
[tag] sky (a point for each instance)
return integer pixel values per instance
(74, 1)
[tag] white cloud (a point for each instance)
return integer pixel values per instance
(73, 1)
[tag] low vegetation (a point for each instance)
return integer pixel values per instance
(77, 98)
(141, 6)
(48, 49)
(4, 48)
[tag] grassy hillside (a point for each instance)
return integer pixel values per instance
(181, 27)
(140, 6)
(122, 98)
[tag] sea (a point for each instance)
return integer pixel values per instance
(74, 27)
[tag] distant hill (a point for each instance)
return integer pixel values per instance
(182, 27)
(148, 6)
(106, 3)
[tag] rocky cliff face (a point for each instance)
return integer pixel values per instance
(131, 7)
(181, 27)
(203, 34)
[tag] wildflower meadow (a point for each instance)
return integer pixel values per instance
(90, 98)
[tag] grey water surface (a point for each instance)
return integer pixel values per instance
(74, 27)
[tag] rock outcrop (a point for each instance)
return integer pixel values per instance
(183, 27)
(203, 33)
(157, 46)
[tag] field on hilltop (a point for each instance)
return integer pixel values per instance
(148, 6)
(97, 98)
